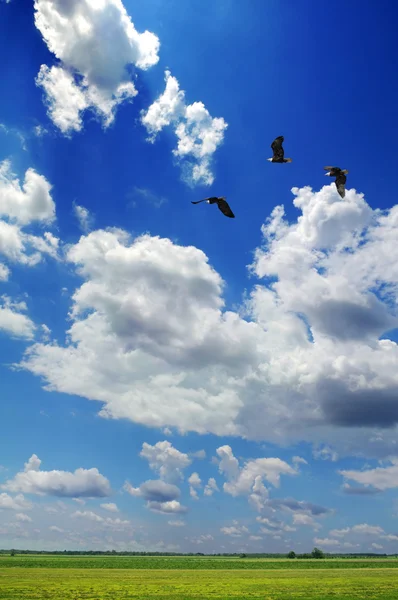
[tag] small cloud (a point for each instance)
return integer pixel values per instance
(199, 454)
(146, 195)
(299, 460)
(40, 131)
(325, 453)
(176, 523)
(56, 529)
(23, 518)
(110, 506)
(211, 487)
(83, 216)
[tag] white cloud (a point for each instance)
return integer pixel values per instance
(4, 272)
(28, 202)
(89, 515)
(325, 453)
(339, 532)
(166, 508)
(363, 529)
(83, 482)
(381, 478)
(110, 506)
(56, 529)
(299, 460)
(107, 522)
(325, 542)
(367, 529)
(248, 479)
(12, 321)
(194, 482)
(22, 206)
(165, 460)
(234, 531)
(199, 135)
(83, 216)
(15, 503)
(93, 67)
(160, 496)
(23, 518)
(176, 523)
(307, 520)
(377, 546)
(211, 487)
(148, 323)
(199, 454)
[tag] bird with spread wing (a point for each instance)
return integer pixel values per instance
(279, 153)
(221, 203)
(340, 178)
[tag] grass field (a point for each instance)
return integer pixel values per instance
(91, 578)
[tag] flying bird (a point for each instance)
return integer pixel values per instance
(340, 178)
(221, 203)
(279, 153)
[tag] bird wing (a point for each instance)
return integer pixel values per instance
(225, 208)
(277, 147)
(199, 201)
(340, 184)
(330, 168)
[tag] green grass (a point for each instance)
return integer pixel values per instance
(168, 584)
(190, 562)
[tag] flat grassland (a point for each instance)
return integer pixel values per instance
(192, 578)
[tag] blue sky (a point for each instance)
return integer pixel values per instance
(247, 368)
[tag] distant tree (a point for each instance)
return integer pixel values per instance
(291, 554)
(243, 555)
(12, 553)
(316, 553)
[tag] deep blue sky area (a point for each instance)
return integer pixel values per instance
(321, 74)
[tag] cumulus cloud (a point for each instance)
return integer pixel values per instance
(166, 460)
(107, 522)
(325, 542)
(94, 69)
(234, 531)
(21, 206)
(17, 502)
(83, 482)
(194, 482)
(160, 496)
(155, 344)
(13, 321)
(198, 134)
(248, 480)
(28, 202)
(211, 487)
(380, 478)
(23, 518)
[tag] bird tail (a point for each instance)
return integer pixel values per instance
(288, 159)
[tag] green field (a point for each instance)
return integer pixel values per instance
(191, 578)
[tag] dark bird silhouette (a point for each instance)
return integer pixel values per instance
(279, 153)
(221, 203)
(340, 178)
